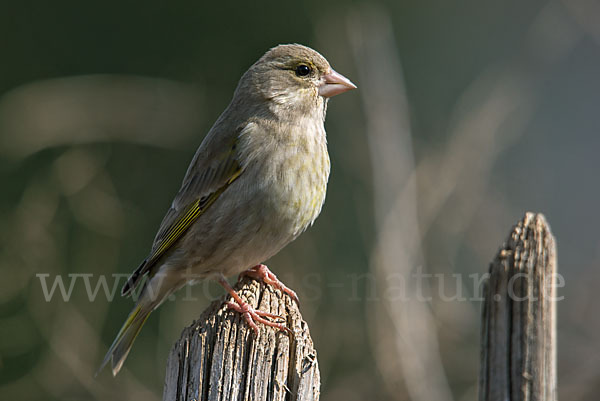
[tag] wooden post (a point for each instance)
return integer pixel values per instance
(518, 336)
(218, 357)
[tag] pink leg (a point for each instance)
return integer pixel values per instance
(262, 272)
(250, 314)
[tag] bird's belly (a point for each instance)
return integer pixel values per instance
(295, 201)
(252, 222)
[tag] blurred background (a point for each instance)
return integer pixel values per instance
(468, 114)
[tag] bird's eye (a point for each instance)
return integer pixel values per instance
(302, 70)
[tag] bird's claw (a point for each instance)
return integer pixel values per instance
(262, 272)
(251, 316)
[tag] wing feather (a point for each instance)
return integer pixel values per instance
(198, 192)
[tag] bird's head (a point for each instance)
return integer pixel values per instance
(295, 77)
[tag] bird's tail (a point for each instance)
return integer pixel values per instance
(120, 347)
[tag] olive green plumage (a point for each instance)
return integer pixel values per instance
(256, 182)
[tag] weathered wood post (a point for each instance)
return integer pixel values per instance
(218, 357)
(518, 336)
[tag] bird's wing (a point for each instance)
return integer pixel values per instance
(206, 179)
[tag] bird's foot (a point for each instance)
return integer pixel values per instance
(262, 272)
(251, 315)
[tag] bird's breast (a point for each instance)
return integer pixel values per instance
(301, 186)
(295, 172)
(278, 195)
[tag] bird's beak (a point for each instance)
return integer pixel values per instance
(334, 84)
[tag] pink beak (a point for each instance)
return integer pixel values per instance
(334, 84)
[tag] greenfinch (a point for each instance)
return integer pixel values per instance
(257, 181)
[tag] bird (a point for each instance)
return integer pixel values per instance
(256, 182)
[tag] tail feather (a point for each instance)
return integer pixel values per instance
(122, 345)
